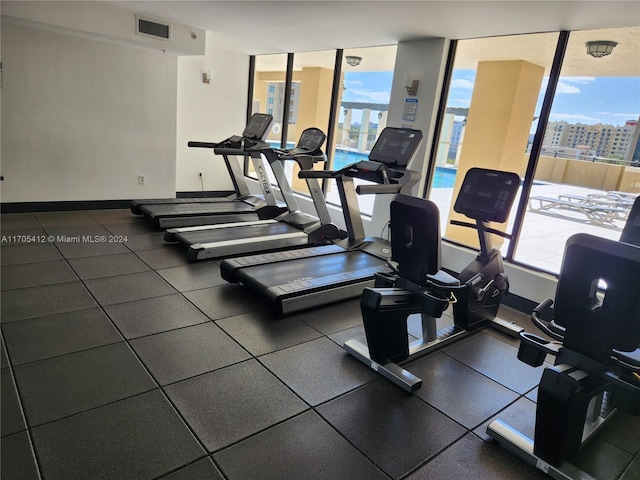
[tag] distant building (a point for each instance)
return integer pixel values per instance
(606, 140)
(275, 100)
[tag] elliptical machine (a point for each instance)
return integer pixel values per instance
(419, 286)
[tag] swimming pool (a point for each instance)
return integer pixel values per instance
(443, 178)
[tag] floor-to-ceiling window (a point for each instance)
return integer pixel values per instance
(588, 147)
(493, 103)
(365, 85)
(583, 152)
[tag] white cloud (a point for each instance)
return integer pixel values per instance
(566, 88)
(581, 80)
(368, 96)
(626, 115)
(574, 116)
(353, 82)
(462, 83)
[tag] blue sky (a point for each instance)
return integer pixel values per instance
(589, 100)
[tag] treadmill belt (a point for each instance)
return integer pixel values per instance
(169, 210)
(213, 235)
(136, 205)
(310, 273)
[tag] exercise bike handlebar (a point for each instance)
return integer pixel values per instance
(551, 329)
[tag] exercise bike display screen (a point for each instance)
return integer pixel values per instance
(487, 195)
(258, 126)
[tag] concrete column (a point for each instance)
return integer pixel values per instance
(382, 122)
(500, 116)
(364, 130)
(346, 126)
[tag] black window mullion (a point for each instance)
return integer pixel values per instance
(287, 101)
(252, 82)
(336, 93)
(442, 107)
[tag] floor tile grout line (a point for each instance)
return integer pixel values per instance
(23, 412)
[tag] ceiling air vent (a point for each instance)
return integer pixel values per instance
(152, 28)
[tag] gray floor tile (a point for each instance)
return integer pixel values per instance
(491, 357)
(90, 249)
(180, 354)
(334, 318)
(232, 403)
(302, 447)
(126, 288)
(318, 370)
(4, 361)
(116, 215)
(145, 241)
(107, 265)
(154, 315)
(520, 415)
(602, 460)
(201, 470)
(224, 301)
(130, 228)
(633, 470)
(64, 219)
(396, 430)
(623, 431)
(261, 332)
(43, 337)
(195, 276)
(167, 256)
(458, 391)
(17, 460)
(46, 300)
(36, 274)
(28, 253)
(139, 437)
(18, 221)
(469, 458)
(61, 386)
(12, 418)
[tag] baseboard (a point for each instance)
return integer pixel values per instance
(66, 206)
(24, 207)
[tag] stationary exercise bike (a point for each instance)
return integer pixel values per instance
(595, 325)
(419, 286)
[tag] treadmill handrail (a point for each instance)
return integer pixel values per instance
(194, 144)
(388, 188)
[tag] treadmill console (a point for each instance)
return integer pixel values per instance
(487, 195)
(396, 146)
(258, 126)
(310, 141)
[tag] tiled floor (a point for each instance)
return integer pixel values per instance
(123, 361)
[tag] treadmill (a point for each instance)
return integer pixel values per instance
(242, 206)
(290, 229)
(295, 280)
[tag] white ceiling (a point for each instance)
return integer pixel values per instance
(265, 26)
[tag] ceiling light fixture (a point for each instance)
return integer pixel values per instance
(600, 48)
(353, 61)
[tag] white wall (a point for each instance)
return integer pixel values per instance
(83, 118)
(209, 113)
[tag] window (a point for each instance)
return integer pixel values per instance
(496, 83)
(601, 98)
(362, 111)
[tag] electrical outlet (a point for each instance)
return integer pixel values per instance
(142, 179)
